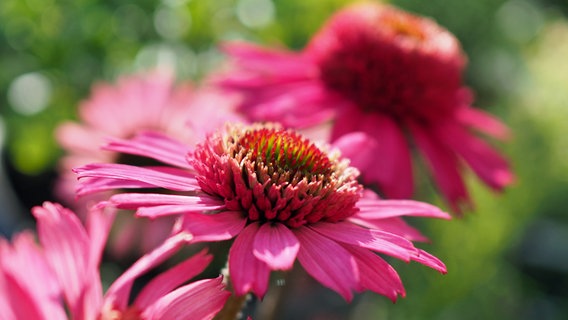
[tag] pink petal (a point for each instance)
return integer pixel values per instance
(168, 210)
(348, 121)
(211, 108)
(263, 59)
(169, 280)
(484, 122)
(6, 306)
(358, 147)
(429, 260)
(213, 227)
(376, 240)
(164, 177)
(382, 209)
(72, 136)
(199, 300)
(246, 271)
(394, 225)
(66, 247)
(377, 147)
(155, 204)
(376, 274)
(22, 305)
(153, 145)
(98, 227)
(28, 287)
(486, 162)
(99, 223)
(328, 262)
(392, 163)
(276, 245)
(90, 185)
(119, 292)
(279, 103)
(443, 165)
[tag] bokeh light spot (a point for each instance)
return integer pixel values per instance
(520, 20)
(173, 57)
(255, 13)
(29, 93)
(172, 23)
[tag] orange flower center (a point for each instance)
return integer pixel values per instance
(403, 26)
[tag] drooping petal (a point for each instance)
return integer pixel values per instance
(429, 260)
(164, 177)
(377, 147)
(21, 305)
(66, 246)
(263, 59)
(6, 308)
(73, 136)
(484, 122)
(246, 271)
(376, 240)
(198, 300)
(169, 280)
(168, 210)
(278, 104)
(348, 121)
(359, 148)
(98, 226)
(212, 227)
(99, 222)
(153, 145)
(392, 163)
(90, 185)
(491, 167)
(328, 262)
(444, 167)
(376, 274)
(387, 218)
(119, 292)
(146, 202)
(394, 225)
(276, 245)
(383, 209)
(28, 287)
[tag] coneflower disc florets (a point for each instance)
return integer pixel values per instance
(389, 61)
(272, 174)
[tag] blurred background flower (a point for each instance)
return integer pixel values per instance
(507, 260)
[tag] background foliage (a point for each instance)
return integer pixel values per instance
(507, 260)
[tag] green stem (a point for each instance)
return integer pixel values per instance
(232, 308)
(234, 305)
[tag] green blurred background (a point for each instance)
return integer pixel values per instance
(507, 260)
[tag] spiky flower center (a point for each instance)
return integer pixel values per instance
(276, 175)
(391, 62)
(285, 150)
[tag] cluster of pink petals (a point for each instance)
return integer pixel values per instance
(382, 76)
(34, 280)
(145, 101)
(341, 255)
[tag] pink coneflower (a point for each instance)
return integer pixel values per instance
(34, 281)
(389, 80)
(141, 102)
(281, 196)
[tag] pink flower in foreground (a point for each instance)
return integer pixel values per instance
(149, 101)
(389, 80)
(34, 281)
(281, 196)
